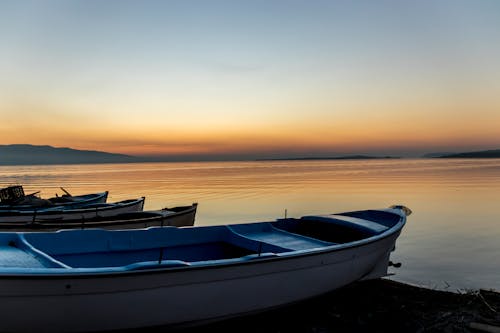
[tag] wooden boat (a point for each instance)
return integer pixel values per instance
(13, 198)
(61, 213)
(100, 280)
(181, 216)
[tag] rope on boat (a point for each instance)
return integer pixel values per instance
(407, 211)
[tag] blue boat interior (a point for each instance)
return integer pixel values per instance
(170, 247)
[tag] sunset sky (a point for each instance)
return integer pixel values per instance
(251, 78)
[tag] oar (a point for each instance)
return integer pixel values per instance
(67, 193)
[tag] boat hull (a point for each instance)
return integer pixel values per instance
(100, 302)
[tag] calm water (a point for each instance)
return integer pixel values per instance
(451, 241)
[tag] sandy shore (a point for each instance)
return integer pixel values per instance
(375, 306)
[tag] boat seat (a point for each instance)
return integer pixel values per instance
(268, 234)
(351, 222)
(23, 253)
(11, 256)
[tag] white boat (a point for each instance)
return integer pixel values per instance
(61, 213)
(180, 216)
(100, 280)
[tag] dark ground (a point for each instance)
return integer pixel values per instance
(375, 306)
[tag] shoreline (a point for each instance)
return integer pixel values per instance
(381, 305)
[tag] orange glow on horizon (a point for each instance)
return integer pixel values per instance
(286, 129)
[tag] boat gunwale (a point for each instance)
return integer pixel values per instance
(110, 272)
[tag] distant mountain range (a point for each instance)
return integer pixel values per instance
(23, 154)
(434, 155)
(347, 157)
(475, 154)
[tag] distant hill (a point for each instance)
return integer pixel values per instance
(440, 154)
(347, 157)
(24, 154)
(475, 154)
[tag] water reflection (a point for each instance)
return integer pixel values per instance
(452, 237)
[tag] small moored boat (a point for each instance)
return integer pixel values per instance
(99, 280)
(60, 213)
(13, 198)
(180, 216)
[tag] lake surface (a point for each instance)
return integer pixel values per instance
(451, 241)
